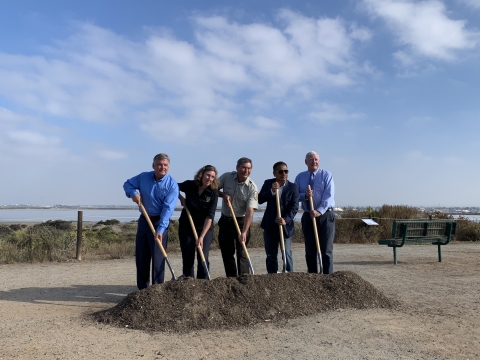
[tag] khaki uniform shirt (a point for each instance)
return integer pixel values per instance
(243, 195)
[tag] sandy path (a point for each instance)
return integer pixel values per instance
(44, 307)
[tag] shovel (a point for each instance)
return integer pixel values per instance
(200, 251)
(239, 232)
(159, 243)
(319, 255)
(282, 240)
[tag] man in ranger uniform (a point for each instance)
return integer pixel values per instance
(241, 192)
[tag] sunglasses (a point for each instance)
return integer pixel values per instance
(282, 171)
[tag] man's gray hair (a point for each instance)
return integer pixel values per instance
(310, 153)
(161, 156)
(243, 160)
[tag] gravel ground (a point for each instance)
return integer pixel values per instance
(45, 312)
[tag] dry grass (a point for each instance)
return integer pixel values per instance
(56, 240)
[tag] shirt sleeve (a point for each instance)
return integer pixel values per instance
(301, 191)
(292, 206)
(253, 198)
(221, 181)
(327, 195)
(182, 186)
(168, 207)
(213, 205)
(265, 193)
(131, 186)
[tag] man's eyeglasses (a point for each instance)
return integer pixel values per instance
(282, 171)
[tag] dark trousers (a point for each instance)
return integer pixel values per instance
(187, 245)
(228, 242)
(146, 251)
(326, 234)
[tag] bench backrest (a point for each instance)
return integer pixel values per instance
(412, 230)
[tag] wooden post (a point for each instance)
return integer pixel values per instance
(79, 235)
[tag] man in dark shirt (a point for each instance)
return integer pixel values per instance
(288, 193)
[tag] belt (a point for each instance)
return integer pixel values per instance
(229, 218)
(153, 218)
(329, 209)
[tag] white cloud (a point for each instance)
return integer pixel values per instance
(472, 3)
(328, 112)
(424, 28)
(111, 154)
(169, 86)
(266, 123)
(360, 33)
(33, 138)
(166, 85)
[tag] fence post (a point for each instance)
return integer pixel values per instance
(79, 234)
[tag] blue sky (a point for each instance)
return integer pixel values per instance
(386, 91)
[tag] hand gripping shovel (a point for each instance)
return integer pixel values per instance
(239, 232)
(159, 243)
(200, 251)
(319, 255)
(282, 240)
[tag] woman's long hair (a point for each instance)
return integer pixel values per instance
(203, 170)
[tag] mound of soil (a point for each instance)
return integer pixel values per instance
(190, 304)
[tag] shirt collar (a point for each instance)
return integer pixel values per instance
(153, 176)
(246, 182)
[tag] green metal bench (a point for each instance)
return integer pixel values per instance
(436, 232)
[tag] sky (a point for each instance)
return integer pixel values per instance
(385, 91)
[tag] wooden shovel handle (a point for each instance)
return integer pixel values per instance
(279, 214)
(194, 233)
(238, 228)
(145, 214)
(314, 223)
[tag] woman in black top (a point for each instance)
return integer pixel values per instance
(201, 199)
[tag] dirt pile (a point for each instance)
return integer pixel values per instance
(190, 304)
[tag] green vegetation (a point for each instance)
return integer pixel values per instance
(56, 240)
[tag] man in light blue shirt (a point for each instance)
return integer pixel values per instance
(159, 193)
(322, 190)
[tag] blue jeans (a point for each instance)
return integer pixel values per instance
(272, 242)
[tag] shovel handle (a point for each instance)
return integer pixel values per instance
(145, 215)
(238, 228)
(195, 235)
(279, 214)
(314, 223)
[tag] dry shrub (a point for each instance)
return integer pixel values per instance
(467, 230)
(38, 243)
(57, 224)
(5, 230)
(117, 250)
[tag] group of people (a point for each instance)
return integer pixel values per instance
(159, 193)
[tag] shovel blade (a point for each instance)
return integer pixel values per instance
(251, 267)
(205, 268)
(320, 264)
(171, 269)
(284, 258)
